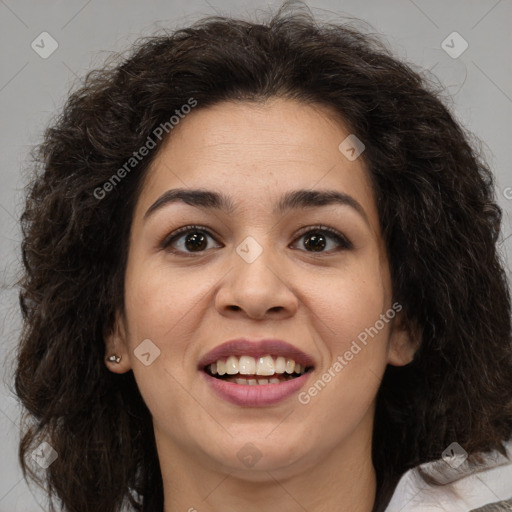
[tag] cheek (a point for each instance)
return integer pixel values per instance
(350, 311)
(159, 300)
(349, 303)
(167, 307)
(160, 308)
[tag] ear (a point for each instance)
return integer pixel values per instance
(404, 341)
(116, 343)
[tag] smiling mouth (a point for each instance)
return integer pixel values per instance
(250, 371)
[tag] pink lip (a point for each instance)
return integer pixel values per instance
(245, 347)
(258, 395)
(261, 394)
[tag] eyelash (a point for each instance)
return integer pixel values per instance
(344, 243)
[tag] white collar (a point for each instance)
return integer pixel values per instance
(465, 488)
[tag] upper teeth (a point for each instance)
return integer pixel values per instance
(247, 365)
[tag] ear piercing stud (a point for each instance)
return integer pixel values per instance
(113, 358)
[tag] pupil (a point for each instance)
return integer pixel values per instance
(195, 241)
(316, 241)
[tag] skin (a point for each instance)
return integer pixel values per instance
(314, 456)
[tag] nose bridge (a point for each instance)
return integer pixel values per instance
(254, 284)
(250, 249)
(257, 255)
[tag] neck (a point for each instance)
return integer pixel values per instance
(343, 479)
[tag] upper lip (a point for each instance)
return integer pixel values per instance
(246, 347)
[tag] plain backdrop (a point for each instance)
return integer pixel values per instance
(33, 90)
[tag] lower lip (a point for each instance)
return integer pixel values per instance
(258, 395)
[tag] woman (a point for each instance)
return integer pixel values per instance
(260, 274)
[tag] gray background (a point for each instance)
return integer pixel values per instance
(33, 89)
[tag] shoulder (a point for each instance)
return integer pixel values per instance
(483, 488)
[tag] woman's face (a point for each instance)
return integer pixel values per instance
(259, 272)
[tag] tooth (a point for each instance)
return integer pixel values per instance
(265, 366)
(240, 381)
(262, 381)
(247, 365)
(232, 365)
(280, 364)
(221, 367)
(252, 382)
(274, 381)
(290, 365)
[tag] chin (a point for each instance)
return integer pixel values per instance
(252, 460)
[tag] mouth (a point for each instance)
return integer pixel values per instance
(255, 373)
(250, 371)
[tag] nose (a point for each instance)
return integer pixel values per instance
(257, 289)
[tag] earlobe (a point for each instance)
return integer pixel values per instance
(404, 343)
(116, 348)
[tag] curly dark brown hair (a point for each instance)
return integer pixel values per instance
(437, 209)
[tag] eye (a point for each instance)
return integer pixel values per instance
(190, 239)
(195, 239)
(316, 239)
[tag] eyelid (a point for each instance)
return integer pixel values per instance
(177, 233)
(344, 242)
(341, 239)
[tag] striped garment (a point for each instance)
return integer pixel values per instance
(501, 506)
(464, 487)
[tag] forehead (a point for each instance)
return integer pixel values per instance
(256, 152)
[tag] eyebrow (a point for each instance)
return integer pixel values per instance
(291, 200)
